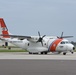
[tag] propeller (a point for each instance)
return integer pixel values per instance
(40, 38)
(64, 36)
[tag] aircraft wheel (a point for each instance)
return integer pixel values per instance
(9, 48)
(72, 52)
(45, 52)
(30, 53)
(42, 53)
(64, 53)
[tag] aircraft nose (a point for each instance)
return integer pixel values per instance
(71, 47)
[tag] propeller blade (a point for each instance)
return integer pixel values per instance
(39, 34)
(43, 36)
(67, 36)
(42, 43)
(61, 34)
(64, 36)
(40, 38)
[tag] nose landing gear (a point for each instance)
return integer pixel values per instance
(72, 52)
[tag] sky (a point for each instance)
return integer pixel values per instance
(50, 17)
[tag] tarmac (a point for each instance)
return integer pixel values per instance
(37, 67)
(26, 55)
(22, 63)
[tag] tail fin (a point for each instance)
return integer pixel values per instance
(3, 29)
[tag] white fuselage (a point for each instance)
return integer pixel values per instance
(49, 44)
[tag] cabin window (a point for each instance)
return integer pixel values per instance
(67, 42)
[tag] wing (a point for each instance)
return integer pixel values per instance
(29, 38)
(17, 36)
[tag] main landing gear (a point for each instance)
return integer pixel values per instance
(43, 52)
(38, 53)
(32, 53)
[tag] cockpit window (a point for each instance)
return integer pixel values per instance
(65, 42)
(62, 42)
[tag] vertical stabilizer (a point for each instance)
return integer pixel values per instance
(3, 29)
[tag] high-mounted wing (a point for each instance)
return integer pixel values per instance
(17, 36)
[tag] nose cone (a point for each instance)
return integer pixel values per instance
(73, 48)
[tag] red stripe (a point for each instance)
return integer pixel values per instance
(4, 28)
(5, 33)
(55, 44)
(2, 22)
